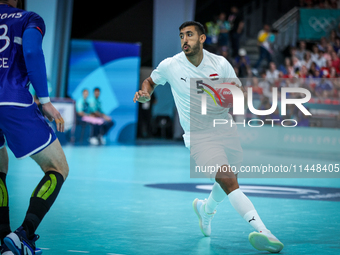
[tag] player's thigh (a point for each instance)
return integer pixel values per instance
(234, 151)
(3, 160)
(52, 158)
(209, 157)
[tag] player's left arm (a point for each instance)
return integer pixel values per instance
(36, 69)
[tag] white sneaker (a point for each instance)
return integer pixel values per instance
(203, 217)
(265, 241)
(94, 141)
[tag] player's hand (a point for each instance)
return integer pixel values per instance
(51, 114)
(141, 96)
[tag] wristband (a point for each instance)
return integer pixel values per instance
(44, 100)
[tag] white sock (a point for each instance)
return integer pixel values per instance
(246, 209)
(217, 195)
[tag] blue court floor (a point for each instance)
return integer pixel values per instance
(137, 200)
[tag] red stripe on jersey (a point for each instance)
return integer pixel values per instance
(39, 30)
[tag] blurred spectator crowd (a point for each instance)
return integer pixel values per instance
(311, 65)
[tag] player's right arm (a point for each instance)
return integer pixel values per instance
(144, 94)
(157, 77)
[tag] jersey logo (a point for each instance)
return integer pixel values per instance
(184, 79)
(251, 219)
(214, 77)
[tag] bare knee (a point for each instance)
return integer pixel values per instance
(52, 158)
(66, 171)
(63, 169)
(56, 164)
(227, 179)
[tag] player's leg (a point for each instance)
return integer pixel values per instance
(27, 134)
(4, 206)
(53, 162)
(241, 203)
(212, 154)
(261, 240)
(206, 209)
(208, 154)
(4, 209)
(228, 182)
(3, 160)
(226, 177)
(216, 196)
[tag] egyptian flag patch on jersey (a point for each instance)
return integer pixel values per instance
(214, 77)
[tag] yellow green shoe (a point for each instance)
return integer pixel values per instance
(265, 241)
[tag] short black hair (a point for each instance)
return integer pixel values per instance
(199, 27)
(96, 88)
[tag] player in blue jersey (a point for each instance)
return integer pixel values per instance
(23, 126)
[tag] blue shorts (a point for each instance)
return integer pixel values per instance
(25, 129)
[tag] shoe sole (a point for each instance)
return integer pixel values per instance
(13, 243)
(8, 253)
(263, 243)
(194, 206)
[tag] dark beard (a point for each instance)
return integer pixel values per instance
(194, 50)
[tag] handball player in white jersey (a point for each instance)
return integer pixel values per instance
(207, 146)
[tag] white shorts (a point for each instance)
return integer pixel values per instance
(211, 149)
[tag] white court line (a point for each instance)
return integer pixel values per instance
(78, 251)
(75, 251)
